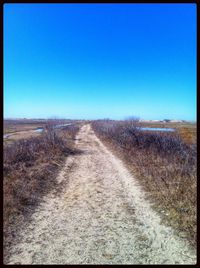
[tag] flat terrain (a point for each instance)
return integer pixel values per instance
(186, 130)
(23, 134)
(25, 128)
(12, 126)
(20, 129)
(98, 214)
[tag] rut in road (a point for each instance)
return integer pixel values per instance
(99, 216)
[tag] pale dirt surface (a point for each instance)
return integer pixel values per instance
(99, 215)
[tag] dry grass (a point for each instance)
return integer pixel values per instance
(11, 126)
(30, 168)
(26, 128)
(188, 134)
(164, 164)
(186, 130)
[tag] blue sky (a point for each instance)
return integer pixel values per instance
(100, 60)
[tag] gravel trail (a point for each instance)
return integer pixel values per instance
(99, 215)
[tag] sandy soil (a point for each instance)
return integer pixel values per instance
(99, 215)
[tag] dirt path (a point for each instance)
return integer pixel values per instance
(100, 216)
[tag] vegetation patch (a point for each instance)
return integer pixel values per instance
(30, 169)
(164, 164)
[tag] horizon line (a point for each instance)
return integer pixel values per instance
(103, 118)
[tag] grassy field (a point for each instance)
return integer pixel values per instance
(11, 126)
(164, 164)
(188, 131)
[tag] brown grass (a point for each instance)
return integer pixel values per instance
(164, 164)
(186, 130)
(30, 168)
(11, 126)
(188, 134)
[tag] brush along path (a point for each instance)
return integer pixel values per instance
(100, 216)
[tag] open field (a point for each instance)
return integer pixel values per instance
(96, 213)
(187, 130)
(100, 192)
(100, 134)
(11, 126)
(26, 128)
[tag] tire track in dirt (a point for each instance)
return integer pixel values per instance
(99, 215)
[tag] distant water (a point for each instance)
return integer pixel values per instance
(40, 129)
(6, 135)
(62, 125)
(57, 126)
(156, 129)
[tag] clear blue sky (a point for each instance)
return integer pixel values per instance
(100, 60)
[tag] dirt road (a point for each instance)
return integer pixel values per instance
(98, 215)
